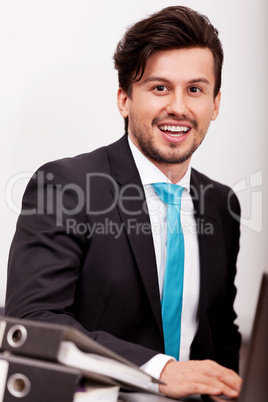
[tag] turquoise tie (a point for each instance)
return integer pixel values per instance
(173, 282)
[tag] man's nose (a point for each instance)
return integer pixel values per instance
(177, 104)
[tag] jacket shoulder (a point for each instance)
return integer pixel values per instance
(96, 160)
(220, 193)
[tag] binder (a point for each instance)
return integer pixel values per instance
(69, 346)
(29, 380)
(42, 340)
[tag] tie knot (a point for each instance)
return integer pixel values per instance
(168, 192)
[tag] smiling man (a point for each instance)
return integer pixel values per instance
(171, 106)
(99, 247)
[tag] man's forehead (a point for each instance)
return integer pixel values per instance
(191, 64)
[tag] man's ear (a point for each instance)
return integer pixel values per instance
(122, 102)
(216, 110)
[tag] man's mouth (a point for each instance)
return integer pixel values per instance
(174, 131)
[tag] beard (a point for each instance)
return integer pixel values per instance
(156, 154)
(151, 151)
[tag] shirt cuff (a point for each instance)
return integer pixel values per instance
(154, 368)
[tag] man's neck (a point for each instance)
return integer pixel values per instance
(173, 171)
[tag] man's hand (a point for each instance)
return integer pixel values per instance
(199, 377)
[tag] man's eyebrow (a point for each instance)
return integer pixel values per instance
(200, 79)
(154, 78)
(165, 80)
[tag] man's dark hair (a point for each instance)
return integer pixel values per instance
(171, 28)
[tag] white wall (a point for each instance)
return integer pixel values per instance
(58, 98)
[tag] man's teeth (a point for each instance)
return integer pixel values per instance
(175, 129)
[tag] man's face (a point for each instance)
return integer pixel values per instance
(171, 107)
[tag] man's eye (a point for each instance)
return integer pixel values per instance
(194, 90)
(160, 88)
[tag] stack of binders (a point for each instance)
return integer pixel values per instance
(43, 362)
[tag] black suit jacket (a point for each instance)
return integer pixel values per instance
(83, 255)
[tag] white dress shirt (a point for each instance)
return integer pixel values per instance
(149, 173)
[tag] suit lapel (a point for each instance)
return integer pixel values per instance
(132, 208)
(211, 243)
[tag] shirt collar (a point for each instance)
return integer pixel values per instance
(149, 173)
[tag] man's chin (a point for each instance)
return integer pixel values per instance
(169, 159)
(170, 156)
(167, 154)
